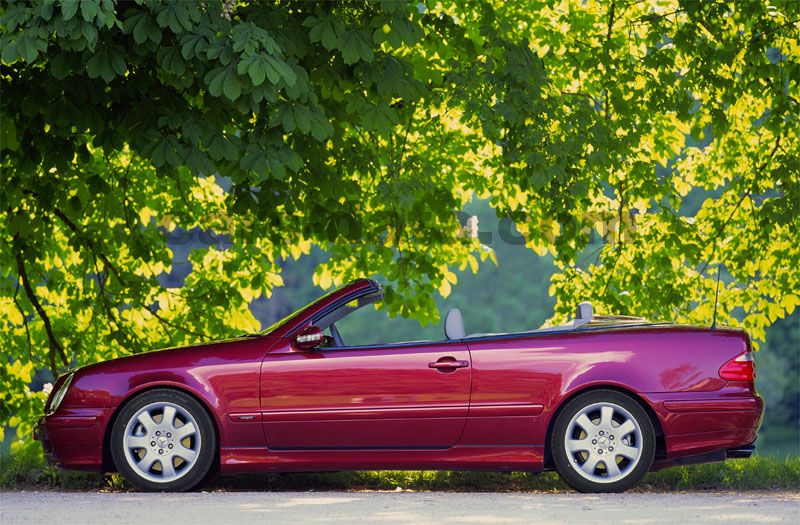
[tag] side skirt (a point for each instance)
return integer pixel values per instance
(490, 458)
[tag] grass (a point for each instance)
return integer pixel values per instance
(28, 471)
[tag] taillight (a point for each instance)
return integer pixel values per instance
(741, 368)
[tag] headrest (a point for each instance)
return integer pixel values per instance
(454, 325)
(584, 312)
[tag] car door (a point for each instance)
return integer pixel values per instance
(406, 395)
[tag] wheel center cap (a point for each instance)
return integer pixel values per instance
(603, 442)
(162, 440)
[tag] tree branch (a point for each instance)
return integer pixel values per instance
(88, 242)
(72, 226)
(579, 94)
(618, 244)
(745, 195)
(94, 252)
(608, 38)
(176, 326)
(55, 346)
(610, 20)
(755, 38)
(24, 322)
(401, 153)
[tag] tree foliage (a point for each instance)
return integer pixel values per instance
(361, 128)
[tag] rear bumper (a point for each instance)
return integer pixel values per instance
(73, 439)
(716, 456)
(740, 452)
(696, 424)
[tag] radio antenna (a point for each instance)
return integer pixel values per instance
(716, 301)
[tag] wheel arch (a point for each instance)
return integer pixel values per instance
(108, 461)
(661, 445)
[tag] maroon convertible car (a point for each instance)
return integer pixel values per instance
(602, 400)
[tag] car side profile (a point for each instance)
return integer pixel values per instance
(602, 400)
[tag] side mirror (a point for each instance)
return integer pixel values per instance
(309, 338)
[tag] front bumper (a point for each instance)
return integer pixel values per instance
(73, 438)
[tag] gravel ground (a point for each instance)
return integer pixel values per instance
(361, 508)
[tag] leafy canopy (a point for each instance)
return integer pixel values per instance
(360, 128)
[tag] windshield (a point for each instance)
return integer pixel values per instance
(348, 308)
(280, 322)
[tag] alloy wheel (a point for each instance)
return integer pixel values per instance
(603, 442)
(162, 442)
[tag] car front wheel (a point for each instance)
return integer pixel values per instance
(163, 440)
(603, 441)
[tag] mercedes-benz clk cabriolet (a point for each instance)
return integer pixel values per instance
(602, 400)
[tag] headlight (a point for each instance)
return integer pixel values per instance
(59, 395)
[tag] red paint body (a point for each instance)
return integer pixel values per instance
(278, 408)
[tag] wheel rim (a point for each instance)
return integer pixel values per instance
(603, 442)
(162, 442)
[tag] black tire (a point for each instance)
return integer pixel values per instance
(197, 472)
(568, 465)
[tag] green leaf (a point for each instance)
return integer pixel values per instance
(166, 150)
(8, 134)
(232, 88)
(355, 46)
(220, 147)
(276, 169)
(254, 160)
(379, 118)
(8, 49)
(170, 59)
(282, 69)
(146, 29)
(192, 130)
(90, 9)
(69, 8)
(177, 15)
(193, 45)
(199, 163)
(291, 159)
(26, 49)
(326, 29)
(107, 63)
(302, 117)
(215, 80)
(288, 121)
(321, 128)
(402, 31)
(256, 71)
(272, 73)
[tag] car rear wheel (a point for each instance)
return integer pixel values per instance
(603, 441)
(163, 440)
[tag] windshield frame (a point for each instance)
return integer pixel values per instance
(332, 300)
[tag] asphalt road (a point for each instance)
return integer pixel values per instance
(362, 508)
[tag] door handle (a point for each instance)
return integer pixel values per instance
(448, 364)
